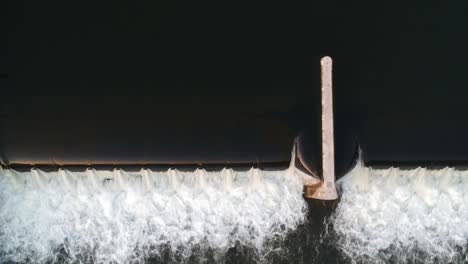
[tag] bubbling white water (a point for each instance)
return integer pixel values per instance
(403, 215)
(118, 216)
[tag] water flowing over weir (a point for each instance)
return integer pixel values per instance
(117, 216)
(254, 216)
(403, 216)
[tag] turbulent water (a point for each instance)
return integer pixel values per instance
(384, 216)
(400, 216)
(113, 216)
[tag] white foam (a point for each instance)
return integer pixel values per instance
(113, 216)
(403, 215)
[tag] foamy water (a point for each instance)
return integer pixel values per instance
(115, 216)
(402, 216)
(391, 215)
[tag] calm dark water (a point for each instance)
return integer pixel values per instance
(248, 75)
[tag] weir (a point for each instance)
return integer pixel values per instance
(140, 207)
(120, 216)
(403, 215)
(315, 187)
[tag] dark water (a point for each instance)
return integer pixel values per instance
(251, 73)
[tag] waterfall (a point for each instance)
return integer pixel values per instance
(399, 216)
(120, 216)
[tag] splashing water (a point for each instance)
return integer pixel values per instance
(403, 216)
(392, 215)
(118, 216)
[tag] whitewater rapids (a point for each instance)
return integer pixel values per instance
(119, 217)
(385, 215)
(403, 216)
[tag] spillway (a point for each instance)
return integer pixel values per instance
(125, 208)
(397, 215)
(390, 215)
(119, 217)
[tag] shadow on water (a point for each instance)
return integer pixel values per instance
(311, 242)
(305, 244)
